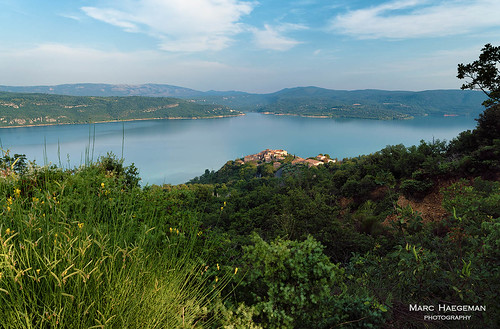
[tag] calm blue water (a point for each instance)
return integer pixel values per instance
(174, 151)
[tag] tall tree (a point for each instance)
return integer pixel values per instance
(484, 74)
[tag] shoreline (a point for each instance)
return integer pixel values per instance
(126, 120)
(299, 115)
(333, 117)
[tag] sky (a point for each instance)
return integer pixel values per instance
(253, 46)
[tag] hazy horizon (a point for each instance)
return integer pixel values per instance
(214, 90)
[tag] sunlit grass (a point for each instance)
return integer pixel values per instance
(83, 249)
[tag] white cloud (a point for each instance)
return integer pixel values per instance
(51, 64)
(113, 17)
(272, 37)
(417, 18)
(48, 64)
(180, 25)
(69, 16)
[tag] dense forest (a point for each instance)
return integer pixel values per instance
(406, 237)
(18, 109)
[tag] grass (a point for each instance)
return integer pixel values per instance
(84, 248)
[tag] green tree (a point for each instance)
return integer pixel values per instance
(290, 282)
(484, 74)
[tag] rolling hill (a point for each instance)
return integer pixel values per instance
(304, 101)
(23, 109)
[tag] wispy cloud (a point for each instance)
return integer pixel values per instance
(113, 17)
(180, 25)
(69, 16)
(54, 63)
(272, 37)
(419, 18)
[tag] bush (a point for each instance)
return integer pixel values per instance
(290, 283)
(413, 188)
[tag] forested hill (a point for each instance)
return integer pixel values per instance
(376, 103)
(22, 109)
(306, 101)
(368, 104)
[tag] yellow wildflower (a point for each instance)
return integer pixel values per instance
(7, 231)
(171, 230)
(38, 271)
(218, 268)
(199, 233)
(8, 208)
(224, 203)
(80, 225)
(235, 270)
(9, 200)
(216, 279)
(221, 208)
(17, 192)
(102, 185)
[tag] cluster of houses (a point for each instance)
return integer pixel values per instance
(318, 160)
(266, 156)
(275, 156)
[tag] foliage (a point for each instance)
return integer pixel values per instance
(12, 164)
(83, 248)
(241, 317)
(289, 282)
(484, 73)
(415, 188)
(294, 285)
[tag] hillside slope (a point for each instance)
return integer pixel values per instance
(18, 109)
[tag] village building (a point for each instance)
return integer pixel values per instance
(313, 162)
(275, 156)
(266, 156)
(298, 160)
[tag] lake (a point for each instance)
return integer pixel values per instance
(174, 151)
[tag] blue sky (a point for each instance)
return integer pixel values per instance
(254, 46)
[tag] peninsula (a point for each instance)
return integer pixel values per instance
(25, 109)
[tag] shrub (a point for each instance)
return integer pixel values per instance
(415, 188)
(290, 283)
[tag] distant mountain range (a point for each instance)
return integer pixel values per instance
(304, 101)
(99, 89)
